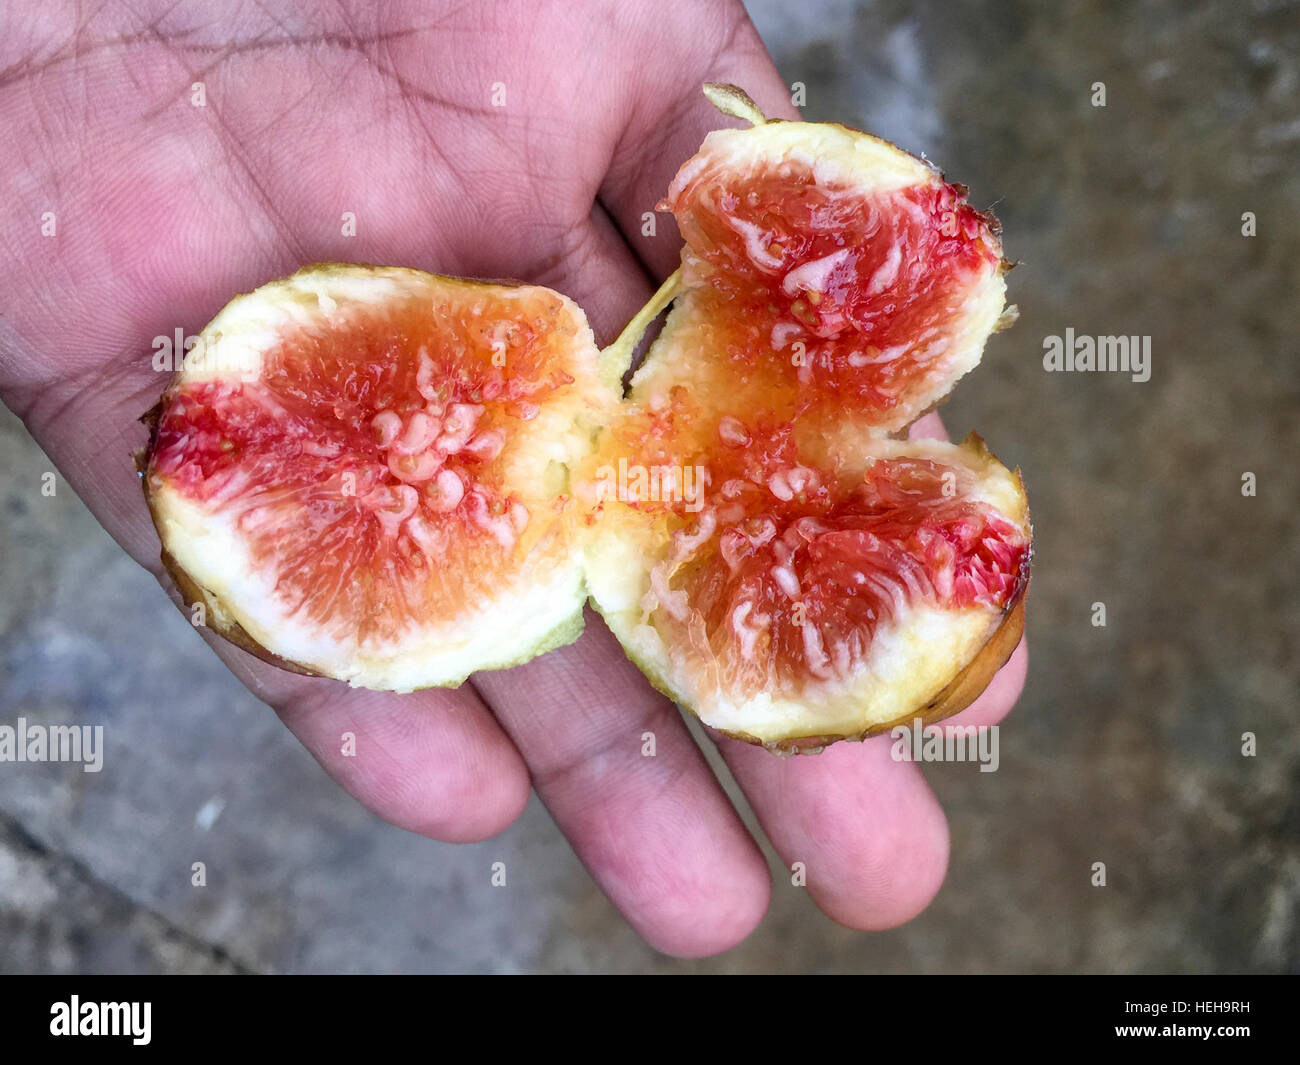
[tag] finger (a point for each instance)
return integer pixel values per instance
(618, 770)
(868, 829)
(433, 762)
(870, 833)
(665, 121)
(928, 427)
(998, 699)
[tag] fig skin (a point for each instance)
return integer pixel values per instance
(217, 620)
(231, 631)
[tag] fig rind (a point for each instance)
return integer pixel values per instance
(221, 622)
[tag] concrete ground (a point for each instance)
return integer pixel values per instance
(1127, 746)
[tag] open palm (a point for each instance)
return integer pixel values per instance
(164, 158)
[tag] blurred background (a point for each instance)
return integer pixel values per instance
(1127, 745)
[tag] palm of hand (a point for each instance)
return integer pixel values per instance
(512, 142)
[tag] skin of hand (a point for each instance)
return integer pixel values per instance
(515, 139)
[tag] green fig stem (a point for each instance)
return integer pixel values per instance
(616, 358)
(734, 101)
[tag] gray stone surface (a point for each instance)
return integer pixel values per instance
(1126, 746)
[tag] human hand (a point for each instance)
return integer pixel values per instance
(163, 210)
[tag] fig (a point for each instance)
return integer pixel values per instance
(837, 581)
(396, 479)
(364, 473)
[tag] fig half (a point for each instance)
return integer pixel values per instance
(829, 581)
(362, 472)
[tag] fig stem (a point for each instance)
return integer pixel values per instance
(615, 359)
(734, 101)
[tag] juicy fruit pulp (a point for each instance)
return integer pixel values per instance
(792, 573)
(361, 475)
(809, 599)
(380, 470)
(413, 483)
(864, 284)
